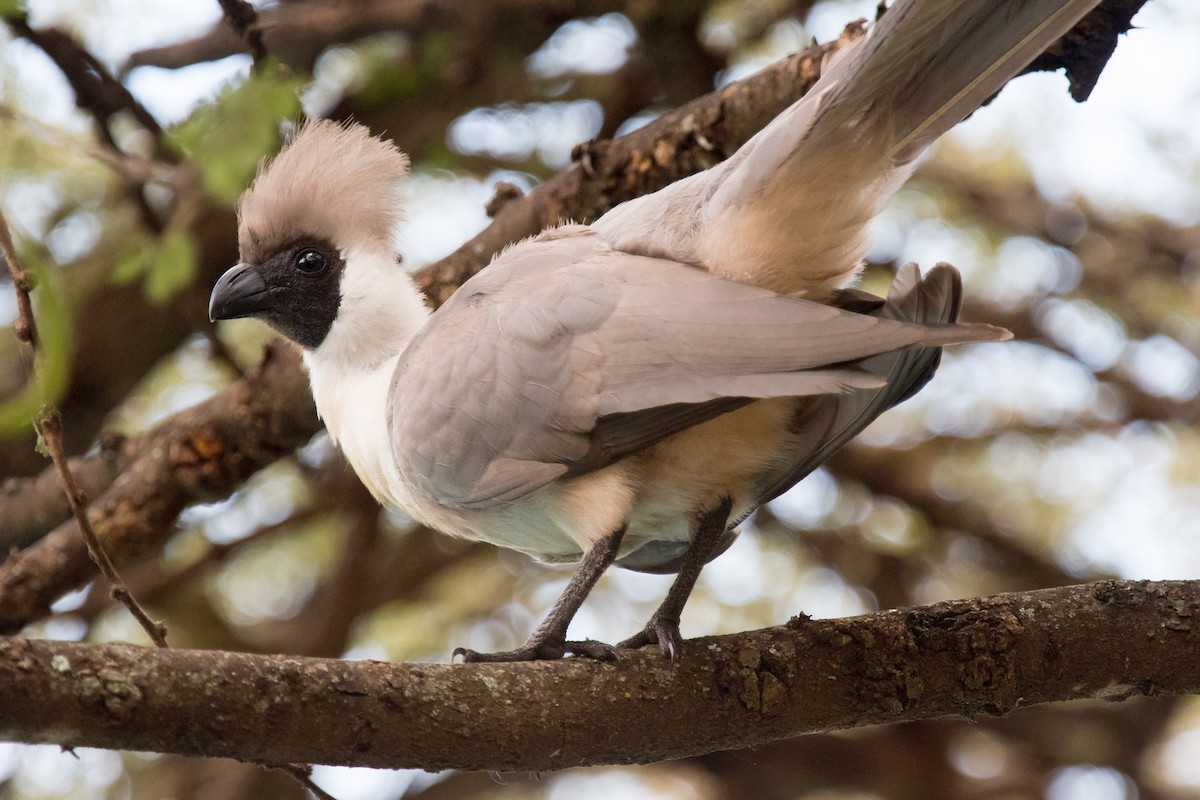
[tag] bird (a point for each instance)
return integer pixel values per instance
(629, 391)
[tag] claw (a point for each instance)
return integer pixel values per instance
(664, 633)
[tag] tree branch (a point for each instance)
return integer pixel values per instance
(202, 453)
(243, 18)
(297, 32)
(25, 328)
(31, 507)
(984, 656)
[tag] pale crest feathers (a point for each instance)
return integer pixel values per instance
(330, 181)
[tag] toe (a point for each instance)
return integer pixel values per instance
(590, 648)
(530, 651)
(670, 642)
(638, 640)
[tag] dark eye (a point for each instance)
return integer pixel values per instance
(310, 261)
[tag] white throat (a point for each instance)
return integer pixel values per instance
(381, 310)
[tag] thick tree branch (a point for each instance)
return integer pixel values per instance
(968, 657)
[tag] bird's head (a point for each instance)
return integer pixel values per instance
(317, 234)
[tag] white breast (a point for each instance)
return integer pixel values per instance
(353, 404)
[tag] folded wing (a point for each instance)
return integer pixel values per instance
(565, 355)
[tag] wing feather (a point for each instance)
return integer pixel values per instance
(565, 355)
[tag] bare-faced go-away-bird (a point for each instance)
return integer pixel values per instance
(629, 391)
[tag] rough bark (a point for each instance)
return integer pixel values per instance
(984, 656)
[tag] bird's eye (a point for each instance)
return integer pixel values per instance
(310, 261)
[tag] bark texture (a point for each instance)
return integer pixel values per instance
(985, 656)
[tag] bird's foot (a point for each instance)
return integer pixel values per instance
(661, 631)
(547, 649)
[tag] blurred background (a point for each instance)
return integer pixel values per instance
(1068, 455)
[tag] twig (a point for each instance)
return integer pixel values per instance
(25, 327)
(303, 775)
(49, 427)
(243, 18)
(96, 90)
(99, 94)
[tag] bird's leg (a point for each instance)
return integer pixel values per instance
(663, 627)
(549, 640)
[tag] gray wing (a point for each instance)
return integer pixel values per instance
(565, 355)
(823, 424)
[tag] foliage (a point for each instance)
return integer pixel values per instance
(225, 140)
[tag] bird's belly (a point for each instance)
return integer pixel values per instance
(527, 526)
(657, 492)
(696, 468)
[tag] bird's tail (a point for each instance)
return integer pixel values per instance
(825, 423)
(790, 210)
(930, 63)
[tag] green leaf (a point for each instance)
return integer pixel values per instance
(130, 267)
(173, 267)
(226, 139)
(12, 8)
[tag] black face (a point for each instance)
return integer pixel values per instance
(295, 291)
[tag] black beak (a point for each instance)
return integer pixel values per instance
(241, 292)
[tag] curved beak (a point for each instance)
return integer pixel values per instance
(240, 292)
